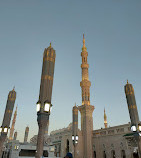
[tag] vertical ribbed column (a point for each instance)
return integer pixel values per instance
(75, 121)
(45, 95)
(133, 112)
(7, 117)
(131, 102)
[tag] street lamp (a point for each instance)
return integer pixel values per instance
(47, 107)
(38, 106)
(133, 128)
(0, 129)
(139, 127)
(5, 129)
(75, 142)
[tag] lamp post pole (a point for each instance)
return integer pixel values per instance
(44, 104)
(133, 112)
(7, 118)
(137, 135)
(75, 142)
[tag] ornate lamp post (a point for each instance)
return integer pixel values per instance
(75, 142)
(44, 105)
(7, 118)
(133, 112)
(75, 128)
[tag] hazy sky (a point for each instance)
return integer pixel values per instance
(113, 39)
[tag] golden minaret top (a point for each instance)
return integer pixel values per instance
(84, 47)
(85, 83)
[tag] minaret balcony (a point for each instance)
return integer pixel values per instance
(85, 83)
(84, 53)
(84, 66)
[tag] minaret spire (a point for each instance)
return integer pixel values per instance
(13, 125)
(105, 119)
(83, 41)
(85, 83)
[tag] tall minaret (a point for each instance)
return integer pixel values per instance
(7, 117)
(105, 119)
(13, 125)
(86, 109)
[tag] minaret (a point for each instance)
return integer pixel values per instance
(131, 102)
(7, 117)
(13, 125)
(15, 135)
(105, 119)
(26, 134)
(86, 109)
(45, 96)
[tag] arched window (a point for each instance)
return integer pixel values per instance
(113, 155)
(123, 155)
(94, 154)
(84, 59)
(104, 154)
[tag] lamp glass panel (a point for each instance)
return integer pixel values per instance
(133, 129)
(0, 129)
(72, 137)
(139, 134)
(76, 142)
(47, 107)
(38, 107)
(5, 129)
(140, 128)
(76, 137)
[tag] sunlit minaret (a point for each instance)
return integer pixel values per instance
(105, 119)
(13, 125)
(86, 109)
(7, 118)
